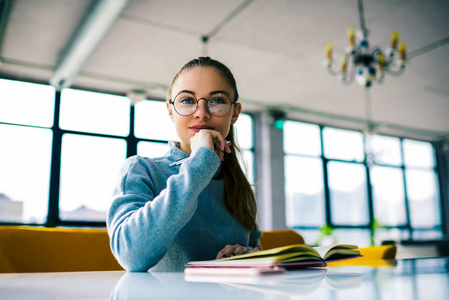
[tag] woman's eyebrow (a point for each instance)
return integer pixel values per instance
(186, 91)
(210, 94)
(219, 92)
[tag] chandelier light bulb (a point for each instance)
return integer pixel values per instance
(351, 37)
(402, 52)
(394, 39)
(329, 51)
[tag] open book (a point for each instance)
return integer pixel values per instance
(293, 256)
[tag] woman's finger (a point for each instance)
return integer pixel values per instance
(226, 251)
(232, 250)
(239, 250)
(257, 249)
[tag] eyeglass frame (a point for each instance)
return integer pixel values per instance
(198, 101)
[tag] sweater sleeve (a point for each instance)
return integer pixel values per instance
(142, 225)
(255, 237)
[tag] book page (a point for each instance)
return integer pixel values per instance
(305, 249)
(341, 250)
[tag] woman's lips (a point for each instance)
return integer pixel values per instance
(197, 128)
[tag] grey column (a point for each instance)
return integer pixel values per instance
(269, 172)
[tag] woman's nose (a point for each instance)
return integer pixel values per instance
(202, 111)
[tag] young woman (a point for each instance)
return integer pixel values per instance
(195, 202)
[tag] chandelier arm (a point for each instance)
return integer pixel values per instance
(396, 72)
(331, 71)
(376, 50)
(392, 57)
(353, 70)
(380, 80)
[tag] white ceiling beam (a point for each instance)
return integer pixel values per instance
(92, 30)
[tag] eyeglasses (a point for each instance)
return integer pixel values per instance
(186, 104)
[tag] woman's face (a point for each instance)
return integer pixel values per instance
(202, 82)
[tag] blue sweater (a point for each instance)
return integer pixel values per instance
(171, 210)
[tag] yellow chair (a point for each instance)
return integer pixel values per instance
(33, 249)
(278, 238)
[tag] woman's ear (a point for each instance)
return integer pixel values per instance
(236, 112)
(170, 111)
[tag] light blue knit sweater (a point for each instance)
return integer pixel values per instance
(171, 210)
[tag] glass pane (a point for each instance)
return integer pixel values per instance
(343, 144)
(248, 165)
(26, 103)
(302, 138)
(311, 236)
(89, 166)
(94, 112)
(418, 154)
(153, 122)
(347, 183)
(427, 235)
(392, 234)
(388, 196)
(149, 149)
(304, 191)
(386, 150)
(359, 237)
(423, 197)
(244, 131)
(25, 159)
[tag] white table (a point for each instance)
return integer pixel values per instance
(409, 279)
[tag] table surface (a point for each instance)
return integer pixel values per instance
(404, 279)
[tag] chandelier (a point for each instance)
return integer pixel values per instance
(364, 64)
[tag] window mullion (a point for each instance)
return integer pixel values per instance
(407, 206)
(327, 200)
(55, 171)
(131, 139)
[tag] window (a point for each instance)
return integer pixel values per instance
(389, 195)
(91, 140)
(347, 184)
(386, 150)
(153, 123)
(337, 194)
(26, 103)
(304, 175)
(304, 191)
(422, 189)
(25, 151)
(89, 166)
(343, 144)
(94, 112)
(152, 149)
(243, 130)
(25, 159)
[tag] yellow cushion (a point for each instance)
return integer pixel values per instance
(374, 256)
(279, 238)
(34, 249)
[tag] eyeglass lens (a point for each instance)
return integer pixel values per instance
(218, 104)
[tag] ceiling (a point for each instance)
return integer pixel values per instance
(276, 50)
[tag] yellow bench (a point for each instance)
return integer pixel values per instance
(35, 249)
(374, 256)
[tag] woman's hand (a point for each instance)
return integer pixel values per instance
(210, 139)
(233, 250)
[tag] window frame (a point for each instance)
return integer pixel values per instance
(372, 225)
(53, 216)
